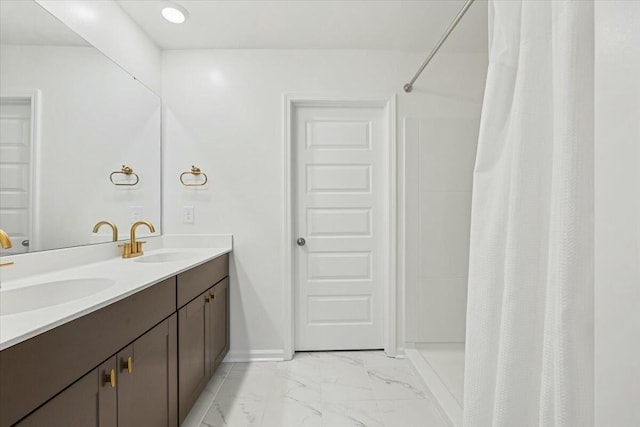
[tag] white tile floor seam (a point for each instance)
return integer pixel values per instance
(323, 389)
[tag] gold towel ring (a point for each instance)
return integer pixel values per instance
(126, 170)
(194, 171)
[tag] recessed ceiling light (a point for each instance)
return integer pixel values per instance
(174, 13)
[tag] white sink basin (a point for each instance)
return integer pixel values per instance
(48, 294)
(165, 257)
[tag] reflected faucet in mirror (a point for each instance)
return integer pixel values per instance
(5, 242)
(114, 229)
(134, 248)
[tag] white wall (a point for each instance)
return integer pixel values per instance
(94, 118)
(617, 213)
(223, 112)
(106, 26)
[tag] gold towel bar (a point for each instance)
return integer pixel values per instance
(194, 171)
(126, 170)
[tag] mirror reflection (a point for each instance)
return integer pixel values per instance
(79, 137)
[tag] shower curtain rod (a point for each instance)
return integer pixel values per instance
(409, 86)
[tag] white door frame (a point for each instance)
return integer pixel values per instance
(289, 268)
(34, 96)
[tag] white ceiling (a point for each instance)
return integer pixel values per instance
(27, 23)
(303, 24)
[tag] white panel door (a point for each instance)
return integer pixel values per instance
(341, 184)
(15, 172)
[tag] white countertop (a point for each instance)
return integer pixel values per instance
(129, 277)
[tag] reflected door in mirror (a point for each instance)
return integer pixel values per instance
(15, 170)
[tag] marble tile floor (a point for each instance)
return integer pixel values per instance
(317, 389)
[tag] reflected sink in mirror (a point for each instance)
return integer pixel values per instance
(165, 257)
(49, 294)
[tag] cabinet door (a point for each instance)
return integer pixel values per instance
(193, 352)
(147, 387)
(219, 307)
(90, 401)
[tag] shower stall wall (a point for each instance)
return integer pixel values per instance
(440, 150)
(439, 156)
(438, 253)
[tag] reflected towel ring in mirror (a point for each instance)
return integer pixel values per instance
(194, 171)
(126, 170)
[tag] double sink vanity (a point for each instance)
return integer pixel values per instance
(90, 338)
(91, 333)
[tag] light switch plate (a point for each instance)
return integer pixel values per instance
(188, 215)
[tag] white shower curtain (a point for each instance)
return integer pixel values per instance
(529, 348)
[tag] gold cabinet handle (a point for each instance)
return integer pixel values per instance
(110, 378)
(207, 298)
(127, 364)
(213, 296)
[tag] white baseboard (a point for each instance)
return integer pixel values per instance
(276, 355)
(449, 407)
(400, 353)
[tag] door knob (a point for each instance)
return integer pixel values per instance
(301, 241)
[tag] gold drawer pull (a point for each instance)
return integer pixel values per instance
(127, 364)
(110, 378)
(207, 298)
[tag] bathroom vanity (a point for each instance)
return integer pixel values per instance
(87, 337)
(142, 359)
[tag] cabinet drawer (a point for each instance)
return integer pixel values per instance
(35, 370)
(197, 280)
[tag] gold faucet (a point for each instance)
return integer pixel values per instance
(133, 248)
(114, 229)
(5, 242)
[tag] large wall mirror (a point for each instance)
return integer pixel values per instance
(70, 119)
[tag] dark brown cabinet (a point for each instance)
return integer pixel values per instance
(147, 378)
(160, 346)
(203, 341)
(90, 401)
(203, 328)
(219, 326)
(193, 350)
(141, 378)
(34, 371)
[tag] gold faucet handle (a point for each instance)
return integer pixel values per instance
(139, 246)
(126, 253)
(132, 251)
(5, 240)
